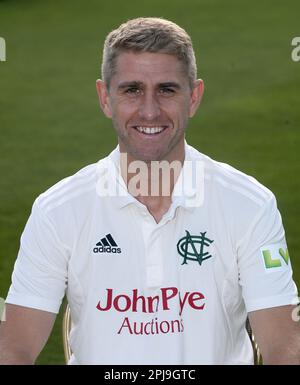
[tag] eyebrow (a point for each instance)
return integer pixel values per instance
(137, 84)
(170, 85)
(123, 85)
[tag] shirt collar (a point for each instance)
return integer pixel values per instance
(187, 193)
(189, 188)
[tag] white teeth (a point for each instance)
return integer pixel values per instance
(150, 130)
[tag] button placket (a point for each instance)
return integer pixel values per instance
(153, 252)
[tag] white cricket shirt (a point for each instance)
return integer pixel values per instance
(176, 292)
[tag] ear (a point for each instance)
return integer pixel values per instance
(103, 96)
(196, 96)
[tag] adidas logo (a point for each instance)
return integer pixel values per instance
(107, 245)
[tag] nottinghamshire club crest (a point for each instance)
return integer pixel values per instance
(194, 247)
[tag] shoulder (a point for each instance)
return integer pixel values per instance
(69, 189)
(231, 183)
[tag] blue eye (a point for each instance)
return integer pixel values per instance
(166, 90)
(132, 90)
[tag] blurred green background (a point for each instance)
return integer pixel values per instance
(51, 126)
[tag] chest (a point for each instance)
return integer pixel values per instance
(130, 251)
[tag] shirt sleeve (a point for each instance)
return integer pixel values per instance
(39, 278)
(265, 271)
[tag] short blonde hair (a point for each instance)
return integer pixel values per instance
(148, 34)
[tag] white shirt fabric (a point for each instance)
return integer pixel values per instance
(142, 301)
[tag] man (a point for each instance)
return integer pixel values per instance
(154, 278)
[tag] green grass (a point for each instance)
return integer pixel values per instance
(50, 122)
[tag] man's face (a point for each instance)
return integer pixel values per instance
(150, 102)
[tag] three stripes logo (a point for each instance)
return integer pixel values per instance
(107, 245)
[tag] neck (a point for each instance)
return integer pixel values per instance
(151, 183)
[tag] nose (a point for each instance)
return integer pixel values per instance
(149, 107)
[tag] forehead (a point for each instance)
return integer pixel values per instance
(149, 67)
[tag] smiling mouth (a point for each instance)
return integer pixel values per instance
(150, 130)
